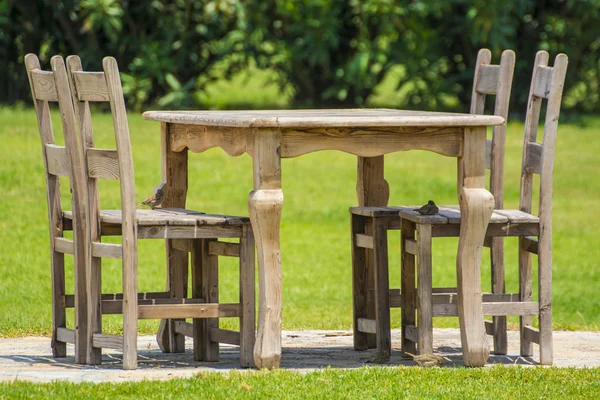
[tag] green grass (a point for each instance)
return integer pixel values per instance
(364, 383)
(318, 190)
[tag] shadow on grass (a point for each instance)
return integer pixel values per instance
(294, 358)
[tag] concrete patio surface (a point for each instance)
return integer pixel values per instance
(30, 358)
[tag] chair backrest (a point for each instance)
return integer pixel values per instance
(538, 158)
(53, 87)
(105, 87)
(61, 161)
(496, 80)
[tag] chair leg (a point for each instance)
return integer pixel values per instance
(407, 284)
(498, 287)
(95, 310)
(247, 298)
(179, 289)
(545, 299)
(210, 292)
(382, 289)
(359, 282)
(82, 335)
(168, 339)
(59, 315)
(130, 309)
(424, 290)
(525, 294)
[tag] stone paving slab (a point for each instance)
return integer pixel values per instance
(30, 358)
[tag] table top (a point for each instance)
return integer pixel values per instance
(317, 118)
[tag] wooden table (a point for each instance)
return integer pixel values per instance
(269, 136)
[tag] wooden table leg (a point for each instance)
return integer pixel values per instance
(476, 206)
(371, 190)
(174, 173)
(265, 203)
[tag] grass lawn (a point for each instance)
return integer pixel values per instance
(365, 383)
(318, 190)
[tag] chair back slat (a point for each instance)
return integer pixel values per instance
(543, 82)
(487, 82)
(103, 163)
(546, 83)
(494, 80)
(488, 154)
(484, 57)
(59, 162)
(533, 160)
(53, 86)
(121, 127)
(73, 145)
(64, 246)
(44, 86)
(91, 86)
(42, 111)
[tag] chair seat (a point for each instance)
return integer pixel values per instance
(173, 216)
(446, 215)
(168, 216)
(451, 215)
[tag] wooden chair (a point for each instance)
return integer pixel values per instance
(52, 87)
(186, 232)
(538, 158)
(373, 222)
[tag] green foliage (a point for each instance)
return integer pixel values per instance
(336, 52)
(333, 53)
(157, 43)
(450, 33)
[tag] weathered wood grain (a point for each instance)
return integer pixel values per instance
(103, 164)
(341, 118)
(92, 86)
(265, 204)
(59, 162)
(43, 84)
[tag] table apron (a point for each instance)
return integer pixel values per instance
(363, 142)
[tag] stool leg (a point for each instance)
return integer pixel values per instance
(247, 298)
(382, 289)
(359, 282)
(370, 284)
(498, 287)
(424, 290)
(407, 284)
(525, 294)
